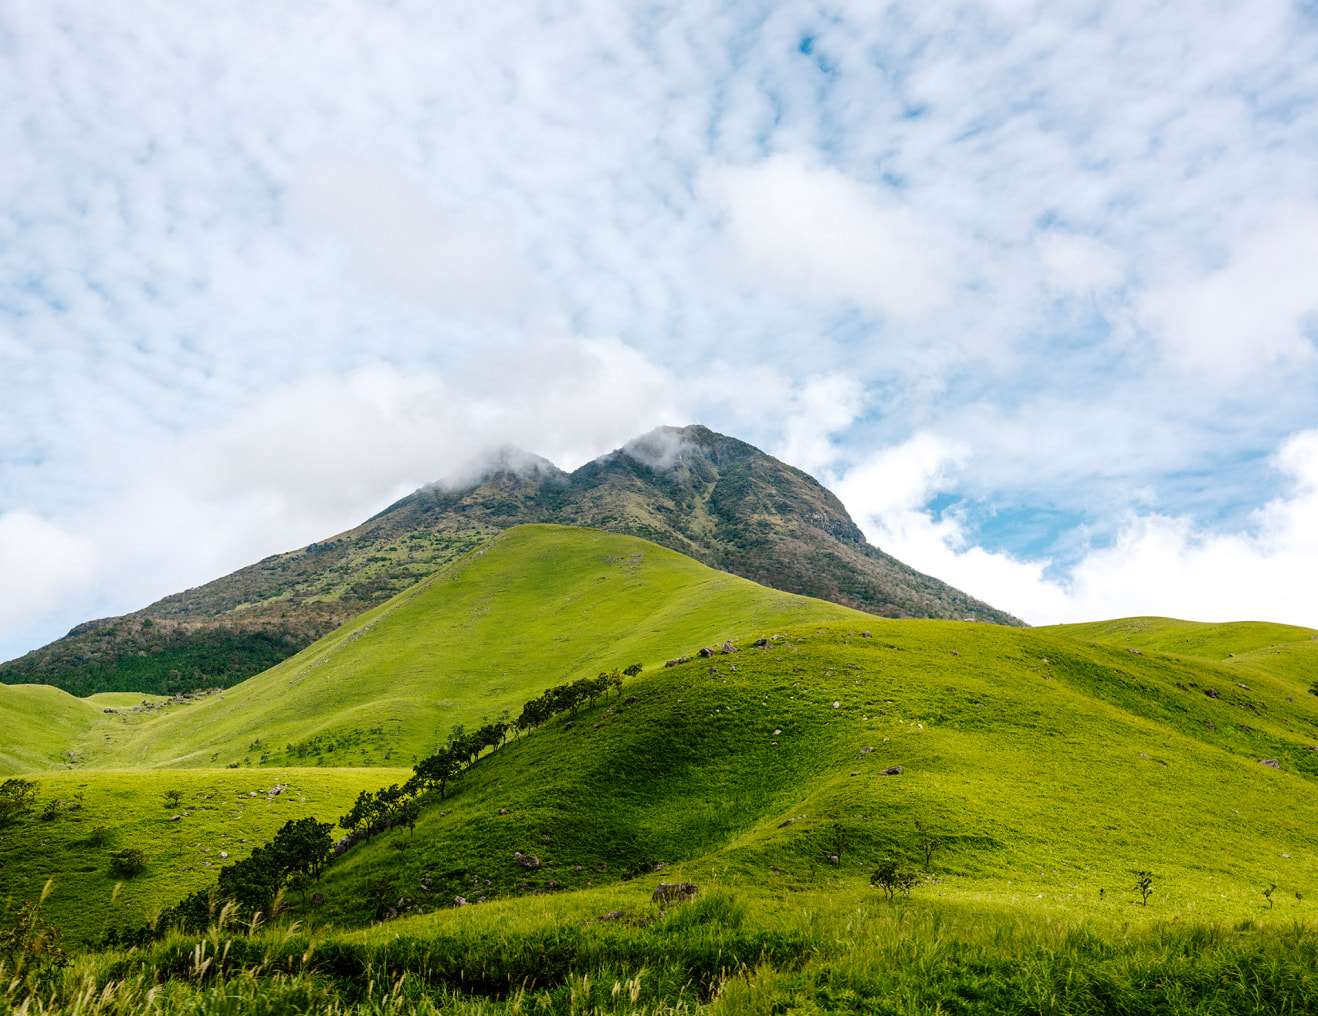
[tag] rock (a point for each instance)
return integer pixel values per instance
(833, 859)
(528, 861)
(175, 818)
(784, 825)
(660, 866)
(866, 751)
(728, 647)
(317, 899)
(630, 700)
(892, 771)
(551, 884)
(523, 886)
(460, 901)
(502, 811)
(1135, 651)
(866, 635)
(954, 652)
(1271, 763)
(675, 892)
(677, 662)
(855, 774)
(427, 881)
(1211, 693)
(341, 846)
(1181, 686)
(777, 731)
(224, 853)
(390, 914)
(569, 724)
(705, 652)
(613, 915)
(1210, 725)
(775, 869)
(1244, 729)
(1245, 686)
(757, 642)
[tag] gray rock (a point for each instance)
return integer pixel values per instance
(1211, 693)
(460, 901)
(705, 652)
(1271, 763)
(675, 892)
(528, 861)
(892, 771)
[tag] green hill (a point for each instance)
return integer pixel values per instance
(711, 497)
(1049, 763)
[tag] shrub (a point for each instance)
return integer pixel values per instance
(17, 796)
(129, 862)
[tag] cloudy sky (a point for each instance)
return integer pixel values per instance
(1033, 287)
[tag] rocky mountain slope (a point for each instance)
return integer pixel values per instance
(712, 497)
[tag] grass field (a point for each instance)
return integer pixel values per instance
(1051, 764)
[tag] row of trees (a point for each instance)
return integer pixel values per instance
(399, 805)
(302, 848)
(294, 859)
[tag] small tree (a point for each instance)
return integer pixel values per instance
(17, 797)
(129, 862)
(173, 797)
(893, 878)
(838, 840)
(927, 842)
(407, 814)
(1143, 884)
(303, 846)
(1267, 894)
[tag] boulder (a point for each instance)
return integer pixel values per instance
(892, 771)
(460, 901)
(1271, 763)
(705, 652)
(1211, 693)
(675, 892)
(527, 861)
(728, 647)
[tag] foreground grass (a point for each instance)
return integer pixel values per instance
(724, 953)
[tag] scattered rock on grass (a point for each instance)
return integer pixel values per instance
(892, 771)
(1271, 763)
(675, 892)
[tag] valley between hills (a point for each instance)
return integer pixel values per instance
(879, 814)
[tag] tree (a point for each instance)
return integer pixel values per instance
(1143, 884)
(838, 840)
(303, 846)
(893, 878)
(17, 797)
(435, 771)
(173, 797)
(408, 813)
(1267, 894)
(927, 842)
(359, 815)
(129, 862)
(254, 882)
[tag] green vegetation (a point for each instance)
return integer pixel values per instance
(716, 499)
(881, 815)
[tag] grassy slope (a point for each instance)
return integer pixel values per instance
(540, 605)
(42, 725)
(1051, 765)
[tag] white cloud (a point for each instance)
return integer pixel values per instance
(829, 237)
(41, 564)
(1259, 308)
(398, 238)
(1157, 564)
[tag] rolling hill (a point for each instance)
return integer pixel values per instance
(1050, 763)
(711, 497)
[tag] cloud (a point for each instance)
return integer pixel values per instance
(1157, 564)
(1257, 309)
(398, 238)
(830, 238)
(41, 564)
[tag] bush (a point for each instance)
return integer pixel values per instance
(17, 796)
(128, 862)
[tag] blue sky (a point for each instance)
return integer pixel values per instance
(1031, 286)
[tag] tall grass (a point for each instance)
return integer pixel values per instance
(721, 954)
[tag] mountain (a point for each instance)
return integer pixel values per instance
(714, 498)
